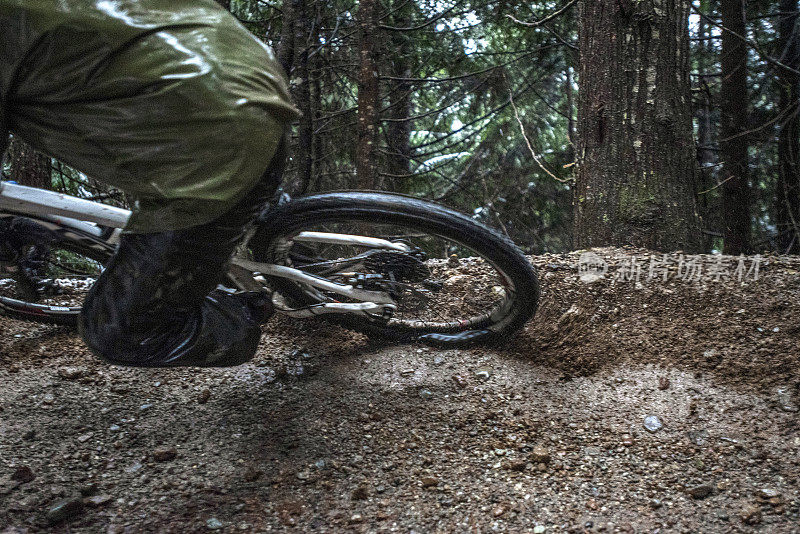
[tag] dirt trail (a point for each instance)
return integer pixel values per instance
(329, 432)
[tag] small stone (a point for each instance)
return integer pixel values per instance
(165, 454)
(97, 501)
(303, 475)
(698, 437)
(425, 394)
(700, 491)
(593, 451)
(135, 466)
(499, 510)
(452, 261)
(438, 360)
(356, 518)
(768, 493)
(663, 383)
(71, 373)
(460, 381)
(23, 474)
(48, 398)
(751, 514)
(214, 524)
(785, 400)
(144, 407)
(652, 423)
(540, 455)
(204, 396)
(360, 493)
(83, 438)
(514, 465)
(382, 515)
(114, 428)
(407, 372)
(64, 510)
(483, 372)
(539, 529)
(429, 481)
(655, 503)
(627, 440)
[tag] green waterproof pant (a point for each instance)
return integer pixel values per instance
(172, 101)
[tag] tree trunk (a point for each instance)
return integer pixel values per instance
(398, 130)
(28, 166)
(733, 124)
(285, 52)
(303, 41)
(705, 155)
(366, 167)
(788, 187)
(636, 169)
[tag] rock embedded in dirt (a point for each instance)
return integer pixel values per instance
(425, 394)
(23, 474)
(663, 383)
(64, 510)
(204, 396)
(483, 372)
(698, 437)
(72, 373)
(701, 491)
(429, 481)
(96, 501)
(785, 400)
(214, 524)
(499, 510)
(460, 381)
(540, 455)
(751, 514)
(652, 424)
(515, 464)
(165, 454)
(768, 493)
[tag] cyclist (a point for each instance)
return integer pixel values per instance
(176, 103)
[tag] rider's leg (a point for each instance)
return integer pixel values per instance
(178, 105)
(154, 305)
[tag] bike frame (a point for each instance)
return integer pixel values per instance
(102, 224)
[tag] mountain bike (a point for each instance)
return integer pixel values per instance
(385, 264)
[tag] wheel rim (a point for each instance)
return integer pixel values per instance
(455, 294)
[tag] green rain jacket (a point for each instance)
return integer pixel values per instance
(172, 101)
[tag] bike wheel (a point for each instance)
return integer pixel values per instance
(457, 283)
(49, 281)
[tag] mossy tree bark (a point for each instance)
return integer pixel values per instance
(636, 166)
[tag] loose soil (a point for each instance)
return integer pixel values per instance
(328, 431)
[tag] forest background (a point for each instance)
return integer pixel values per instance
(659, 123)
